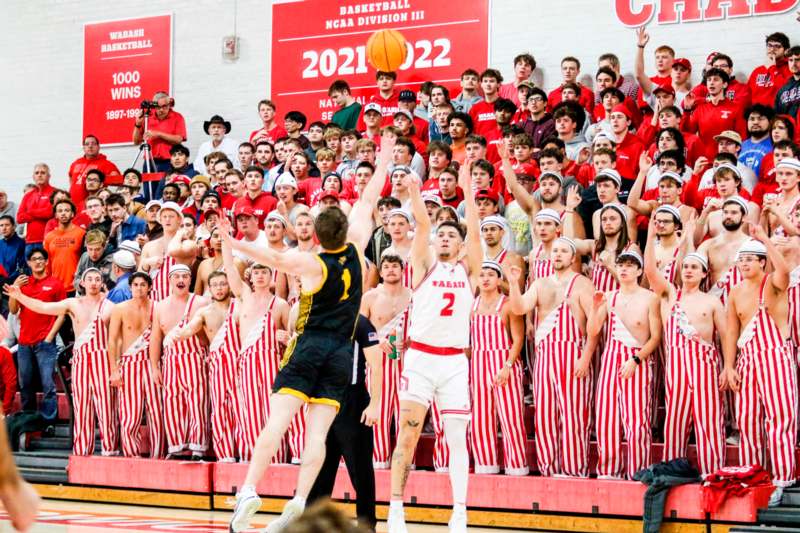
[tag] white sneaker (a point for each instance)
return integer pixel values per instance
(776, 497)
(290, 511)
(247, 504)
(396, 521)
(458, 521)
(733, 439)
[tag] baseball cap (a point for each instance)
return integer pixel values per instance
(372, 106)
(666, 88)
(526, 83)
(124, 259)
(170, 206)
(407, 96)
(201, 179)
(405, 113)
(432, 197)
(180, 178)
(286, 179)
(243, 210)
(488, 193)
(551, 174)
(210, 194)
(151, 203)
(329, 194)
(729, 135)
(683, 62)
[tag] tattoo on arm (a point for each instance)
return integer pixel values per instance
(413, 423)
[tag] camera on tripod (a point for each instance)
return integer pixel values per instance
(147, 105)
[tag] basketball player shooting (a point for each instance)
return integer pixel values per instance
(317, 365)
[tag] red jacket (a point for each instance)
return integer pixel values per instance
(628, 152)
(586, 98)
(271, 135)
(708, 120)
(77, 176)
(766, 180)
(35, 210)
(261, 204)
(765, 81)
(738, 93)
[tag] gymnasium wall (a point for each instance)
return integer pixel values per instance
(41, 90)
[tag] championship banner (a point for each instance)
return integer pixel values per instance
(124, 62)
(315, 42)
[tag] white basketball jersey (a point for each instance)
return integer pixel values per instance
(440, 307)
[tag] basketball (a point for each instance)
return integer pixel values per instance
(386, 50)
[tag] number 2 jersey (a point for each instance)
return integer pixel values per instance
(333, 305)
(440, 307)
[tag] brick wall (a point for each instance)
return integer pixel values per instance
(41, 88)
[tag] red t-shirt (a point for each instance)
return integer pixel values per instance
(483, 117)
(35, 210)
(173, 124)
(586, 98)
(34, 327)
(272, 135)
(8, 379)
(738, 93)
(262, 204)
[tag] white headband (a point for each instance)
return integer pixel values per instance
(697, 257)
(669, 209)
(752, 247)
(548, 214)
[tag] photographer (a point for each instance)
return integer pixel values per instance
(165, 128)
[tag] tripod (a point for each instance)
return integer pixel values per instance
(149, 181)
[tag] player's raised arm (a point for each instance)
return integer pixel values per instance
(299, 263)
(360, 221)
(180, 248)
(525, 199)
(38, 306)
(420, 246)
(780, 272)
(473, 239)
(519, 303)
(658, 283)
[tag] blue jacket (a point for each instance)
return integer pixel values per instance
(132, 227)
(12, 255)
(122, 291)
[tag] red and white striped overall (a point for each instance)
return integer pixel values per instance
(390, 403)
(258, 365)
(767, 396)
(160, 279)
(692, 393)
(539, 267)
(138, 389)
(622, 404)
(794, 307)
(561, 399)
(491, 343)
(222, 354)
(723, 286)
(602, 279)
(185, 391)
(670, 270)
(92, 393)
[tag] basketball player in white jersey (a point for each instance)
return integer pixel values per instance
(435, 366)
(386, 308)
(157, 259)
(92, 393)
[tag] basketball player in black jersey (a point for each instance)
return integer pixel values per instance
(317, 365)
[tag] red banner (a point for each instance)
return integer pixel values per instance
(315, 42)
(124, 62)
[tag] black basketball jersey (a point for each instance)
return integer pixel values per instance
(333, 305)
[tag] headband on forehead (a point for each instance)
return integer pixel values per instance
(88, 270)
(494, 265)
(738, 200)
(548, 214)
(569, 242)
(672, 210)
(618, 208)
(751, 247)
(550, 174)
(401, 212)
(178, 267)
(631, 254)
(790, 163)
(697, 257)
(274, 215)
(730, 167)
(492, 220)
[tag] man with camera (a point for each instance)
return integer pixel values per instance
(165, 128)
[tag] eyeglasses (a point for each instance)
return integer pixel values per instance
(664, 222)
(37, 259)
(774, 45)
(538, 99)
